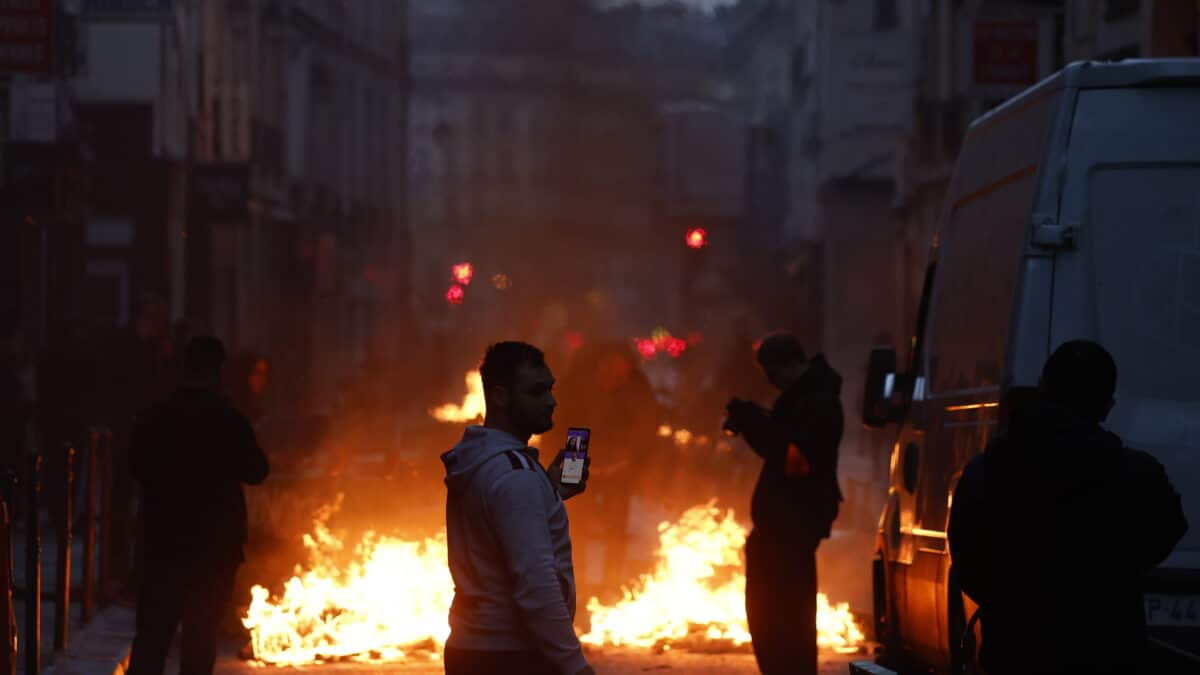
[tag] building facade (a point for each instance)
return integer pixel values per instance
(243, 160)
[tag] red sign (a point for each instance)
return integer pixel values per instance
(1006, 52)
(26, 36)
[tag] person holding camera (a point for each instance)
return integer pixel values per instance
(795, 501)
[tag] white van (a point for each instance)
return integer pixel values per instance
(1073, 212)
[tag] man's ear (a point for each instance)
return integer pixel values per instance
(497, 395)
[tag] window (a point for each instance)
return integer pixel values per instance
(977, 270)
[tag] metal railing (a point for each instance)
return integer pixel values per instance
(95, 469)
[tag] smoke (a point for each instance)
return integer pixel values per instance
(705, 6)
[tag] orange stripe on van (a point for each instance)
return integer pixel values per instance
(971, 406)
(1023, 172)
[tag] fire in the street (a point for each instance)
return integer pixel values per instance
(696, 594)
(472, 407)
(389, 604)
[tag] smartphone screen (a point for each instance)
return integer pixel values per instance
(577, 448)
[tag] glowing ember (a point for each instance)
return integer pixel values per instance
(501, 282)
(463, 273)
(455, 295)
(472, 408)
(697, 593)
(697, 237)
(683, 438)
(389, 604)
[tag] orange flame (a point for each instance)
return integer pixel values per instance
(697, 591)
(390, 604)
(472, 408)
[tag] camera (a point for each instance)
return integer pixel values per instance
(735, 416)
(730, 427)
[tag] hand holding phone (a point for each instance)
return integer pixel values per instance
(574, 461)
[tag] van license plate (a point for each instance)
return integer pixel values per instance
(1172, 610)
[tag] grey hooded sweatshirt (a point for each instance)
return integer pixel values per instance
(509, 551)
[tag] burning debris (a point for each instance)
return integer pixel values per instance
(695, 597)
(697, 585)
(391, 601)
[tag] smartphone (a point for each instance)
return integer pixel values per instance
(577, 449)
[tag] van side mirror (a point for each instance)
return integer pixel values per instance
(881, 383)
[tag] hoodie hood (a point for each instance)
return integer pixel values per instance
(478, 445)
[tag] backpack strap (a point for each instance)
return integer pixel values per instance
(519, 461)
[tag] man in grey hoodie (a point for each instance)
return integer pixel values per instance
(507, 530)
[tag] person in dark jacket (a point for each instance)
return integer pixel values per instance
(1054, 525)
(795, 501)
(191, 453)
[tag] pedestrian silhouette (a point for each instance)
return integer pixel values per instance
(1055, 524)
(795, 501)
(191, 453)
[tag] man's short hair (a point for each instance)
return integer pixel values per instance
(780, 349)
(203, 354)
(502, 360)
(1081, 376)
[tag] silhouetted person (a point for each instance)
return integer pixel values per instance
(606, 390)
(1054, 525)
(795, 501)
(144, 369)
(192, 453)
(507, 530)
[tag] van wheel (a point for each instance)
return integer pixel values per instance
(886, 628)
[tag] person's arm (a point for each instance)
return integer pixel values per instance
(813, 426)
(1163, 522)
(517, 513)
(249, 459)
(967, 532)
(766, 437)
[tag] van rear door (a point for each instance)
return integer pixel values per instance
(1132, 281)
